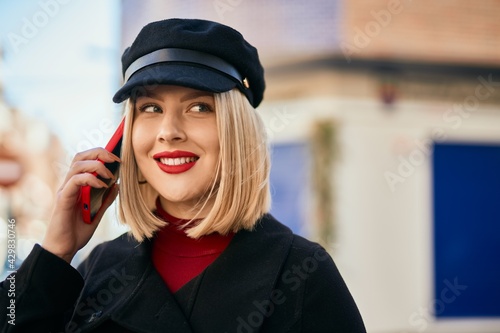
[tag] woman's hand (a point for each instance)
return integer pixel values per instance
(67, 233)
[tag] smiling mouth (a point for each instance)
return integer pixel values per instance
(177, 160)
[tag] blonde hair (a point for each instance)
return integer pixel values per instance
(240, 190)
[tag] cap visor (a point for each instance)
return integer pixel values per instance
(180, 74)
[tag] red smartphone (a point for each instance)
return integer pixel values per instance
(92, 198)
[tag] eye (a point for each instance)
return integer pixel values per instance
(150, 108)
(201, 107)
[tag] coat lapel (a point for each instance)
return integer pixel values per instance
(230, 295)
(152, 308)
(127, 289)
(234, 291)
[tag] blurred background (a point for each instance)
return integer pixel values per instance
(383, 116)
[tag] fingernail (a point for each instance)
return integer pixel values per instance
(114, 157)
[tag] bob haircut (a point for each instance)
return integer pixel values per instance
(241, 182)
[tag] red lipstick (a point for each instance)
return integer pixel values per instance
(177, 161)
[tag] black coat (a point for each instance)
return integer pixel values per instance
(267, 280)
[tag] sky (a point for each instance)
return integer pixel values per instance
(61, 65)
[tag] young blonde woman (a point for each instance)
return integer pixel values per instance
(203, 254)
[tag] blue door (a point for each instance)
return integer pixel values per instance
(466, 185)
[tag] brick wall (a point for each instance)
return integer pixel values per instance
(453, 31)
(448, 31)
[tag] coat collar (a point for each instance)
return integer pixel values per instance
(241, 279)
(226, 295)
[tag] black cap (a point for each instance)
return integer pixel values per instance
(198, 54)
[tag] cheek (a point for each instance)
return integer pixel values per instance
(214, 144)
(140, 139)
(212, 139)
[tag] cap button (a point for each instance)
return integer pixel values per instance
(245, 83)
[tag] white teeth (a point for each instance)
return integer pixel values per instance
(177, 161)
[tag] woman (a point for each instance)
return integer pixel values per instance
(205, 255)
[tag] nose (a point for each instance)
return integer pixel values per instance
(171, 128)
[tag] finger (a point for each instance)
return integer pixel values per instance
(96, 153)
(92, 166)
(90, 155)
(89, 167)
(71, 190)
(110, 197)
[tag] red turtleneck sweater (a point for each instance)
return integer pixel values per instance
(179, 258)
